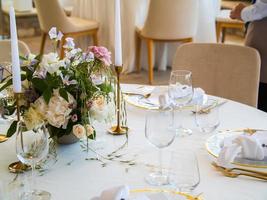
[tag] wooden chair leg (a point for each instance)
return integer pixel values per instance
(150, 51)
(43, 42)
(95, 38)
(62, 48)
(223, 34)
(218, 31)
(138, 53)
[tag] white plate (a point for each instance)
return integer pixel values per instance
(213, 146)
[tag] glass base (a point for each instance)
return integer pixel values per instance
(36, 195)
(183, 132)
(157, 179)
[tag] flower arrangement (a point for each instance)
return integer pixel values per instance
(65, 94)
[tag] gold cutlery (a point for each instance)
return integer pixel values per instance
(3, 138)
(208, 108)
(139, 94)
(239, 169)
(250, 173)
(250, 131)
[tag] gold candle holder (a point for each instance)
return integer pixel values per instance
(18, 167)
(118, 129)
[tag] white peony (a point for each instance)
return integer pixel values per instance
(58, 110)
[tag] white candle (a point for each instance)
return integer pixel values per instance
(118, 50)
(14, 53)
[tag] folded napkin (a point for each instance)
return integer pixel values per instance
(198, 98)
(115, 193)
(247, 146)
(137, 89)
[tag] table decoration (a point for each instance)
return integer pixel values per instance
(65, 94)
(214, 146)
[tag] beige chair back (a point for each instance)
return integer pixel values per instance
(51, 14)
(228, 71)
(171, 19)
(5, 50)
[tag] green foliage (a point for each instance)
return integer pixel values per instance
(12, 129)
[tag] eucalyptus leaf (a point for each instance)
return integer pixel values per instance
(12, 129)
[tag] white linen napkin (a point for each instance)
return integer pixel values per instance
(115, 193)
(165, 102)
(247, 146)
(137, 89)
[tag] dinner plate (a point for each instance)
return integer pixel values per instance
(152, 103)
(213, 146)
(160, 194)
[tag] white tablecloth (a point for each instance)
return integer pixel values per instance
(72, 177)
(134, 13)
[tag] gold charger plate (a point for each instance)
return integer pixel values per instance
(213, 146)
(162, 194)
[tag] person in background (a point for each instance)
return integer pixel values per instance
(255, 16)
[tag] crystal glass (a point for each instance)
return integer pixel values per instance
(159, 134)
(180, 92)
(184, 170)
(207, 116)
(32, 146)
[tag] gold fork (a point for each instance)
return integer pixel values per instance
(239, 169)
(230, 173)
(250, 131)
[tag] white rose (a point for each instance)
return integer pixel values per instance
(79, 131)
(89, 130)
(51, 62)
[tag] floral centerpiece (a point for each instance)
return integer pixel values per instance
(65, 94)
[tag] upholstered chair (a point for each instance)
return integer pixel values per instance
(5, 53)
(5, 50)
(228, 71)
(51, 14)
(167, 21)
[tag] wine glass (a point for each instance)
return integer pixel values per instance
(207, 116)
(180, 92)
(32, 146)
(184, 171)
(159, 134)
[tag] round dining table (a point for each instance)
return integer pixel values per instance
(73, 176)
(133, 14)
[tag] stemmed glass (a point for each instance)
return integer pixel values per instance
(180, 92)
(32, 146)
(159, 134)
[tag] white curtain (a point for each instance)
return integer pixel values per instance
(133, 13)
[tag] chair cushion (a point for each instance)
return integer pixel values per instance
(79, 24)
(224, 16)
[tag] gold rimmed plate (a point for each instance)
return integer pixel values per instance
(213, 146)
(162, 194)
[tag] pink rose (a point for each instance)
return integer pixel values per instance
(102, 54)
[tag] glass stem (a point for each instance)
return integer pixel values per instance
(160, 162)
(32, 176)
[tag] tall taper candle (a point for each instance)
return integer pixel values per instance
(117, 32)
(14, 53)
